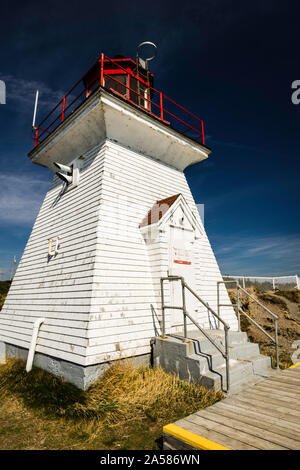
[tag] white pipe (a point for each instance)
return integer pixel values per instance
(35, 332)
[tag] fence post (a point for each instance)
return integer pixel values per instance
(273, 283)
(244, 285)
(238, 305)
(297, 282)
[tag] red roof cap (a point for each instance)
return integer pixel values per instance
(158, 210)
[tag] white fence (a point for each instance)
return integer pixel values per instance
(264, 282)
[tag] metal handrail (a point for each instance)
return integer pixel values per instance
(184, 285)
(62, 106)
(240, 310)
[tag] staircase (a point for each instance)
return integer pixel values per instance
(219, 359)
(197, 360)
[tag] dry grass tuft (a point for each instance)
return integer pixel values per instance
(126, 408)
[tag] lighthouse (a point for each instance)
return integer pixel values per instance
(118, 217)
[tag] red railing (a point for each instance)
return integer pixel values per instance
(136, 90)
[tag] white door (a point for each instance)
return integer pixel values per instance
(181, 263)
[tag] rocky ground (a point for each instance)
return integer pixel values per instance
(286, 305)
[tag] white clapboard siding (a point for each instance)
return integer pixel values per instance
(100, 295)
(60, 289)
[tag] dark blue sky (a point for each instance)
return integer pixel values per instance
(230, 62)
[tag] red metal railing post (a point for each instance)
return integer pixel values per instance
(128, 84)
(36, 137)
(63, 109)
(102, 70)
(202, 128)
(161, 106)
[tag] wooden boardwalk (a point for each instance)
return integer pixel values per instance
(265, 416)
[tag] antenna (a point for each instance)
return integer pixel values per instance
(144, 62)
(13, 267)
(35, 108)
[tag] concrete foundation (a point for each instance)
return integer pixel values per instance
(80, 376)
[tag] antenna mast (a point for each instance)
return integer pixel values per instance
(35, 109)
(143, 63)
(13, 267)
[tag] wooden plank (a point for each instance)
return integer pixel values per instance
(277, 391)
(282, 385)
(291, 373)
(230, 442)
(276, 399)
(291, 376)
(267, 434)
(259, 419)
(286, 380)
(268, 408)
(233, 433)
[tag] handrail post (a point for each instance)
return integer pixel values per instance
(63, 109)
(276, 342)
(238, 305)
(36, 137)
(184, 310)
(161, 106)
(102, 70)
(218, 301)
(202, 130)
(163, 308)
(227, 360)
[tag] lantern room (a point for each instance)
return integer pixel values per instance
(123, 76)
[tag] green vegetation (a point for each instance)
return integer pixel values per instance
(4, 286)
(125, 409)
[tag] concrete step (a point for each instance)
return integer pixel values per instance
(234, 337)
(243, 351)
(208, 361)
(197, 360)
(240, 372)
(244, 384)
(262, 365)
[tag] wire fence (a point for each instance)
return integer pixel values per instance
(267, 283)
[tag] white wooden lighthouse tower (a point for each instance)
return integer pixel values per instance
(119, 215)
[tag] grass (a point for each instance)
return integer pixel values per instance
(292, 295)
(4, 286)
(125, 409)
